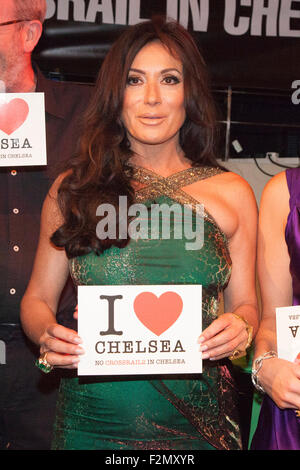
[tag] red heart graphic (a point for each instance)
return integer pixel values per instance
(13, 114)
(158, 314)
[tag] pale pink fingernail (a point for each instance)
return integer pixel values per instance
(75, 360)
(77, 339)
(79, 351)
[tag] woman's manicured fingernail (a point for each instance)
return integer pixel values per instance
(205, 355)
(75, 360)
(79, 351)
(77, 339)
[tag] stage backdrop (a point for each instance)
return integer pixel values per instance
(246, 43)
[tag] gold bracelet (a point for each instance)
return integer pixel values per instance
(237, 353)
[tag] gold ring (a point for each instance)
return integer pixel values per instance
(237, 353)
(43, 364)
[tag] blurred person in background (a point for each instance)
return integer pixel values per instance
(27, 397)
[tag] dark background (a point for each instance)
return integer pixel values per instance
(251, 76)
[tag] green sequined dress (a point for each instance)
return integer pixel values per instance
(139, 414)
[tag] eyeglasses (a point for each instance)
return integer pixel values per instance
(12, 22)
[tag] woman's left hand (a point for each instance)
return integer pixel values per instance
(225, 335)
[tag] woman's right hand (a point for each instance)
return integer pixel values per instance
(281, 381)
(62, 346)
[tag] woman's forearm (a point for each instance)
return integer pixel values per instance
(36, 316)
(266, 337)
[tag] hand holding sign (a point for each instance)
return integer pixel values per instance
(62, 345)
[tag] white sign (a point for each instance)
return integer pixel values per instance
(22, 129)
(288, 332)
(132, 330)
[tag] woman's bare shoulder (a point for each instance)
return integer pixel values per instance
(276, 191)
(51, 214)
(232, 178)
(275, 204)
(235, 188)
(57, 183)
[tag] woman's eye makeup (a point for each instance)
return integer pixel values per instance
(168, 80)
(133, 80)
(171, 79)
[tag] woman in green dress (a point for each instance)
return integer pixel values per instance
(148, 135)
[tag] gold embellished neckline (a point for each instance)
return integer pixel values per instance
(199, 172)
(156, 185)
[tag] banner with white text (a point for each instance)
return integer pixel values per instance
(246, 43)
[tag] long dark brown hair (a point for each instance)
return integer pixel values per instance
(100, 172)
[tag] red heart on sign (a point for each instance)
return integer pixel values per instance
(158, 313)
(13, 114)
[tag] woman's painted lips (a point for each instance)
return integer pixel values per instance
(151, 119)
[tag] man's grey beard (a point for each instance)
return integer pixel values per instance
(3, 80)
(11, 74)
